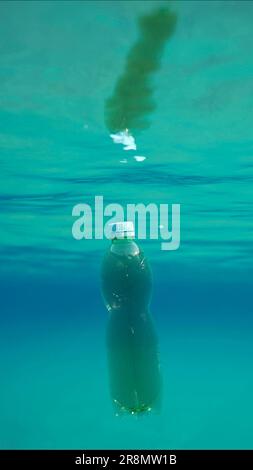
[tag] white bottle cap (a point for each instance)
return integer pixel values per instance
(123, 230)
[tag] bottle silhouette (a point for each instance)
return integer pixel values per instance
(132, 346)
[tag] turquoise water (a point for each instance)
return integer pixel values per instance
(59, 65)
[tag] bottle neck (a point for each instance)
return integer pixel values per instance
(124, 247)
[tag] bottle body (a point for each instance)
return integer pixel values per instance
(132, 345)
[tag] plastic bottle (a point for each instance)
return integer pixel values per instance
(132, 346)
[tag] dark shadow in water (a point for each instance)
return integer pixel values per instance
(132, 99)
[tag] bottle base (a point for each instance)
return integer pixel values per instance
(140, 409)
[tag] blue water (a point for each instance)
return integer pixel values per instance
(59, 63)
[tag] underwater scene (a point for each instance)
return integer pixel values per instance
(143, 342)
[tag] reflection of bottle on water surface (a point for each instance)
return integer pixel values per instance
(131, 339)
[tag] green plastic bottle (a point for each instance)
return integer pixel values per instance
(132, 345)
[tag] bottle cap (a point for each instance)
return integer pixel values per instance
(123, 230)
